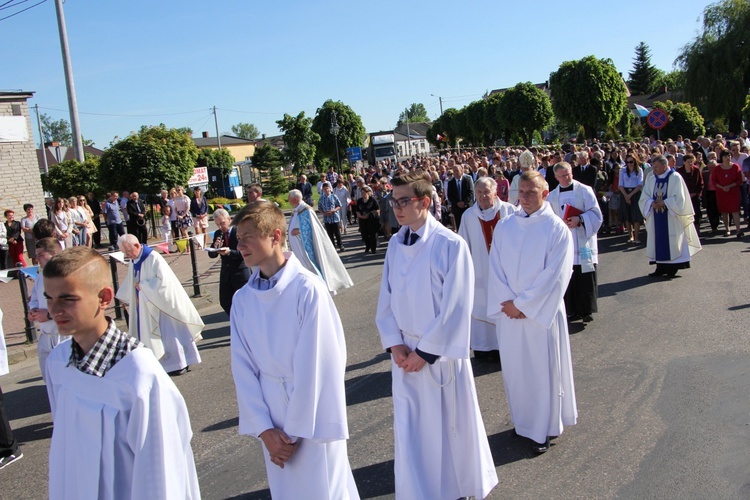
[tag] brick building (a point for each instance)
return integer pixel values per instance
(20, 181)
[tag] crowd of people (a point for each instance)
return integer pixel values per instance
(502, 243)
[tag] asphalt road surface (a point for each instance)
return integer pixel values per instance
(662, 379)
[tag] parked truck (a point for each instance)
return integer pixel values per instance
(382, 146)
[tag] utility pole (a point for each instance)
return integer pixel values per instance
(216, 122)
(41, 140)
(75, 126)
(441, 103)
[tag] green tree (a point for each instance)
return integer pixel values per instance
(717, 62)
(270, 162)
(299, 140)
(246, 131)
(672, 81)
(351, 131)
(216, 158)
(643, 77)
(56, 130)
(525, 109)
(589, 92)
(684, 120)
(149, 160)
(185, 130)
(73, 178)
(416, 113)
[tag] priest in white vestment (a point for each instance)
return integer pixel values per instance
(289, 362)
(122, 428)
(666, 206)
(312, 246)
(424, 319)
(477, 227)
(530, 265)
(526, 161)
(162, 316)
(578, 202)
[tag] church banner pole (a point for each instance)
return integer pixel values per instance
(196, 282)
(116, 285)
(29, 327)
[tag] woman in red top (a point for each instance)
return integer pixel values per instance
(727, 177)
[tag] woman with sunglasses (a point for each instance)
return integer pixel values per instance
(630, 186)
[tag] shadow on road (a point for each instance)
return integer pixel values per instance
(255, 495)
(383, 356)
(611, 289)
(738, 308)
(204, 346)
(26, 402)
(33, 432)
(375, 480)
(226, 424)
(507, 448)
(368, 388)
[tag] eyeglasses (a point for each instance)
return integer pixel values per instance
(630, 162)
(402, 202)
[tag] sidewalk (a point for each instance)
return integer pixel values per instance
(12, 306)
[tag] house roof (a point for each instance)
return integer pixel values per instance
(65, 153)
(647, 100)
(418, 129)
(15, 95)
(276, 141)
(226, 140)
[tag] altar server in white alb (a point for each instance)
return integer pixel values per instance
(288, 362)
(162, 316)
(477, 227)
(530, 265)
(424, 319)
(582, 293)
(122, 429)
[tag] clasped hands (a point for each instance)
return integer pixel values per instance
(279, 445)
(407, 360)
(511, 311)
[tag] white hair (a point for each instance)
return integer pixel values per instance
(220, 212)
(127, 239)
(295, 194)
(488, 182)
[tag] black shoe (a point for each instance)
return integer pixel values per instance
(341, 248)
(177, 373)
(588, 318)
(573, 317)
(540, 447)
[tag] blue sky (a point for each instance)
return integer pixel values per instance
(148, 62)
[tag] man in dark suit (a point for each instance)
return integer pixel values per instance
(234, 273)
(460, 191)
(137, 218)
(305, 188)
(584, 172)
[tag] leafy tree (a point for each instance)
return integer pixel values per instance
(56, 130)
(216, 158)
(524, 109)
(73, 178)
(185, 130)
(445, 126)
(246, 131)
(270, 162)
(684, 119)
(643, 78)
(589, 92)
(351, 131)
(674, 80)
(717, 62)
(416, 113)
(149, 160)
(299, 140)
(476, 131)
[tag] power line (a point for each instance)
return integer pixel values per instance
(11, 1)
(22, 10)
(135, 116)
(250, 112)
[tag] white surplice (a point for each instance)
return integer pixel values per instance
(288, 362)
(425, 302)
(49, 336)
(331, 269)
(165, 319)
(124, 435)
(531, 262)
(683, 238)
(3, 349)
(583, 198)
(483, 334)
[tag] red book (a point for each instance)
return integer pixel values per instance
(570, 211)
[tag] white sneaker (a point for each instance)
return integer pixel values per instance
(6, 461)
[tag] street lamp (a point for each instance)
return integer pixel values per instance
(441, 103)
(335, 131)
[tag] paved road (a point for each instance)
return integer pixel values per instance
(662, 380)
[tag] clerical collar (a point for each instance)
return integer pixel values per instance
(564, 189)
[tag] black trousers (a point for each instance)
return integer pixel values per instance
(370, 238)
(457, 214)
(8, 444)
(115, 231)
(582, 293)
(96, 238)
(334, 232)
(140, 232)
(712, 210)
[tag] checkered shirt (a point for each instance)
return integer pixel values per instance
(108, 350)
(326, 203)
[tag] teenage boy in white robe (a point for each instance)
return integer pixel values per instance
(288, 361)
(530, 265)
(582, 293)
(122, 429)
(477, 226)
(49, 337)
(162, 316)
(424, 319)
